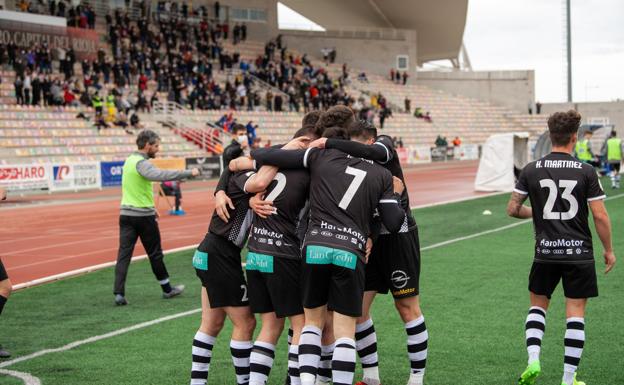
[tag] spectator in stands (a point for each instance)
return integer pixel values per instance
(251, 131)
(457, 142)
(362, 77)
(405, 76)
(19, 90)
(97, 103)
(135, 121)
(384, 113)
(392, 74)
(408, 105)
(397, 77)
(268, 144)
(278, 103)
(427, 117)
(69, 99)
(111, 110)
(538, 108)
(100, 122)
(239, 144)
(27, 88)
(400, 142)
(441, 141)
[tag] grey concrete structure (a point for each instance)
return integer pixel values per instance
(512, 89)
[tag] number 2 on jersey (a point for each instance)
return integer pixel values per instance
(553, 192)
(359, 176)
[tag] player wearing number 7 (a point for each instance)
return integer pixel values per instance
(562, 190)
(344, 193)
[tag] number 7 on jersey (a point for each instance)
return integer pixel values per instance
(359, 176)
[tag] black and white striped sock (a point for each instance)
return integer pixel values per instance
(366, 344)
(309, 354)
(290, 336)
(343, 362)
(324, 371)
(293, 365)
(574, 342)
(417, 339)
(202, 353)
(241, 350)
(261, 362)
(535, 326)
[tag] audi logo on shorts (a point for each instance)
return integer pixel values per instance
(559, 251)
(326, 233)
(399, 279)
(342, 237)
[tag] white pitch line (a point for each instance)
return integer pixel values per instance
(26, 377)
(98, 338)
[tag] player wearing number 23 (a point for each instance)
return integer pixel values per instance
(562, 191)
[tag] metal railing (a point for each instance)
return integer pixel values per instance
(206, 136)
(351, 33)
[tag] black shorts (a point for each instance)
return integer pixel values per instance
(217, 263)
(274, 284)
(332, 277)
(615, 166)
(3, 273)
(579, 280)
(394, 265)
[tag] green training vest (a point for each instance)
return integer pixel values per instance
(136, 190)
(97, 102)
(582, 150)
(614, 149)
(110, 101)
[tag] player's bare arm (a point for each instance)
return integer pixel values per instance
(516, 207)
(603, 228)
(241, 163)
(399, 186)
(261, 180)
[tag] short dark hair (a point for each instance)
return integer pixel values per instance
(362, 129)
(613, 134)
(238, 127)
(145, 137)
(563, 126)
(335, 132)
(310, 118)
(336, 116)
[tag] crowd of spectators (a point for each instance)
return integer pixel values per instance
(78, 16)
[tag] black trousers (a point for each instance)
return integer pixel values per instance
(174, 192)
(131, 228)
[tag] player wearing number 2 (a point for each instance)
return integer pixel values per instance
(344, 192)
(217, 263)
(562, 191)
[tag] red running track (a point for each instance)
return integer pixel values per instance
(47, 235)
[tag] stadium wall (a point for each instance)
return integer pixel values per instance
(512, 89)
(365, 53)
(593, 111)
(256, 30)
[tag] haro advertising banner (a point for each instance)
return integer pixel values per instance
(75, 176)
(24, 176)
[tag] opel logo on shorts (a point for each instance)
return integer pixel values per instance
(399, 279)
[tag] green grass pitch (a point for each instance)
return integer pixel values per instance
(473, 293)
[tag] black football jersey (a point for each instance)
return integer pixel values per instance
(344, 193)
(559, 188)
(394, 166)
(277, 235)
(236, 229)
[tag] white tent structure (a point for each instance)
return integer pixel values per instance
(501, 154)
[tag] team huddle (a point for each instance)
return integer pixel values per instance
(328, 206)
(327, 223)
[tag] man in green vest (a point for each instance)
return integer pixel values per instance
(138, 216)
(97, 103)
(614, 152)
(583, 149)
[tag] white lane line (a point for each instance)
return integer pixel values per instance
(26, 377)
(89, 269)
(100, 337)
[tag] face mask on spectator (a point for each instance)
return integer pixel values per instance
(241, 139)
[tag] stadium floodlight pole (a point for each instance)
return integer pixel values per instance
(569, 50)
